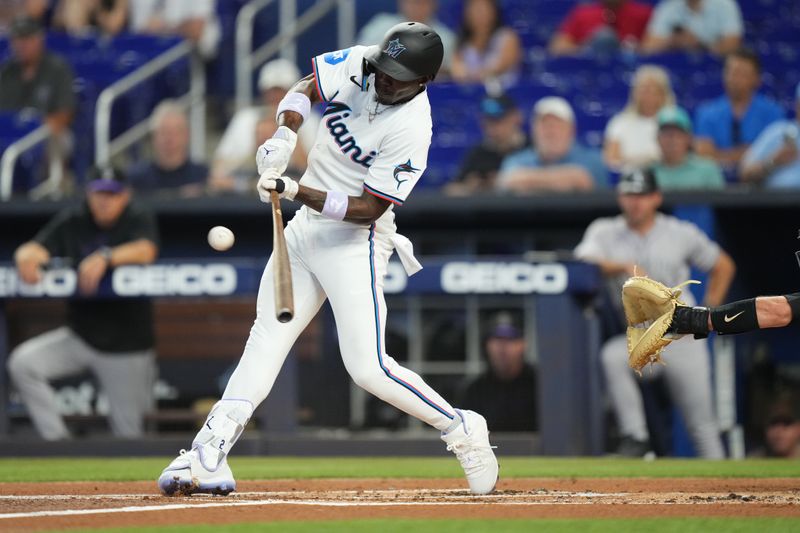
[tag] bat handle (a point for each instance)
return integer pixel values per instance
(276, 202)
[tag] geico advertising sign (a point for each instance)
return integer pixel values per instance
(499, 278)
(54, 283)
(214, 279)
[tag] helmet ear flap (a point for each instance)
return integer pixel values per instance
(366, 68)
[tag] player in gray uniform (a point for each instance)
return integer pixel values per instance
(664, 248)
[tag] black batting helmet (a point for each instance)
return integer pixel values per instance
(409, 50)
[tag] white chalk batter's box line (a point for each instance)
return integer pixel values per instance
(251, 503)
(450, 493)
(230, 502)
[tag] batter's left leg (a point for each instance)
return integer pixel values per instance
(354, 285)
(352, 277)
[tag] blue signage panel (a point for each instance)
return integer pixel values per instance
(205, 277)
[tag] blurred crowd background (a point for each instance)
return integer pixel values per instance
(535, 97)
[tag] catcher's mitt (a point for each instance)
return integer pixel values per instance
(649, 306)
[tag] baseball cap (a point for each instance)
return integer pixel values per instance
(503, 327)
(556, 106)
(24, 26)
(496, 107)
(674, 116)
(106, 179)
(278, 73)
(641, 181)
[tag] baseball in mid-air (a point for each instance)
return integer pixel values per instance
(220, 238)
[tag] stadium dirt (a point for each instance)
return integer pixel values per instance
(50, 506)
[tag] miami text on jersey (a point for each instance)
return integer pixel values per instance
(336, 112)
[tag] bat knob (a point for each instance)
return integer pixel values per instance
(284, 316)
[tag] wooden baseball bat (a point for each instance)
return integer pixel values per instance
(284, 297)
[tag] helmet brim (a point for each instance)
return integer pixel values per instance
(389, 66)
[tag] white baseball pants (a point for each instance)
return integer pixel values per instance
(345, 263)
(688, 375)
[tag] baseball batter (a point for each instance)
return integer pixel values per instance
(664, 248)
(372, 148)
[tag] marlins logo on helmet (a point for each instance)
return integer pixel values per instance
(394, 48)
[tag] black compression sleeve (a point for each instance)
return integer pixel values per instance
(794, 303)
(735, 317)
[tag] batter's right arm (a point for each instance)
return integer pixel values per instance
(308, 88)
(276, 152)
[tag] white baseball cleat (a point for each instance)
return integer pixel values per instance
(470, 442)
(186, 475)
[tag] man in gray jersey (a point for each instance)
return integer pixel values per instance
(664, 248)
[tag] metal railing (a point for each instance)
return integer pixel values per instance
(106, 147)
(247, 59)
(16, 149)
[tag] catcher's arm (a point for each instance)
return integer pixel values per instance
(740, 316)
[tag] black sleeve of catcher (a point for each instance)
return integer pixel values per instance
(794, 303)
(692, 320)
(735, 317)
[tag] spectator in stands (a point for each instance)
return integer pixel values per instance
(507, 391)
(36, 79)
(171, 171)
(774, 158)
(195, 20)
(113, 338)
(726, 126)
(601, 26)
(11, 9)
(630, 138)
(556, 162)
(487, 50)
(679, 167)
(782, 432)
(236, 148)
(645, 241)
(503, 134)
(415, 11)
(695, 25)
(82, 17)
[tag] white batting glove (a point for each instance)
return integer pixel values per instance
(271, 180)
(276, 152)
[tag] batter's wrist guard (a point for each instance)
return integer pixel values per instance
(690, 320)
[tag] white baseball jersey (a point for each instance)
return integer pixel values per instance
(359, 147)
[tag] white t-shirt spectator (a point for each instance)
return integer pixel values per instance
(173, 13)
(716, 19)
(637, 137)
